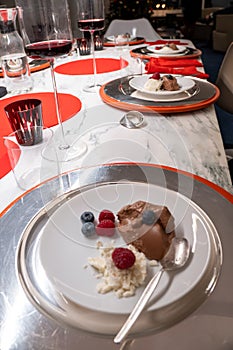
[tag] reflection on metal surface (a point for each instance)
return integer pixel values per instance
(24, 328)
(193, 91)
(11, 325)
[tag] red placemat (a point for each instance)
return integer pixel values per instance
(83, 67)
(69, 105)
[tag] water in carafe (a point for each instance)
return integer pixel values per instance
(14, 61)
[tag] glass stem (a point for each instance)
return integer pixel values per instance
(93, 55)
(64, 144)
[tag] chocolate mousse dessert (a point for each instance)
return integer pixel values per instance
(173, 46)
(170, 83)
(148, 227)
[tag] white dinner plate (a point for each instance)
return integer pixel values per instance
(164, 50)
(139, 82)
(174, 98)
(63, 250)
(113, 37)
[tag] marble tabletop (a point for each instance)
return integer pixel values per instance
(187, 141)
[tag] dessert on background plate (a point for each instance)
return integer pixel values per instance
(157, 83)
(167, 49)
(162, 84)
(121, 37)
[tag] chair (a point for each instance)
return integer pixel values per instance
(225, 81)
(143, 28)
(223, 34)
(225, 84)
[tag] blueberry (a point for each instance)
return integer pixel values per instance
(87, 216)
(136, 223)
(148, 217)
(88, 229)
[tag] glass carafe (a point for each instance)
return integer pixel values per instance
(14, 60)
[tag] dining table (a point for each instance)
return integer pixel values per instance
(177, 149)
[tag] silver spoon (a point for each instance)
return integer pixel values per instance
(175, 258)
(132, 120)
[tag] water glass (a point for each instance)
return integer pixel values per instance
(27, 164)
(25, 118)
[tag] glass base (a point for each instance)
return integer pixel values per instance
(28, 179)
(92, 88)
(63, 154)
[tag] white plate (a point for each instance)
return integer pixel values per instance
(174, 98)
(63, 250)
(113, 38)
(138, 83)
(164, 51)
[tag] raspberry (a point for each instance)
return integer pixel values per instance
(155, 76)
(106, 215)
(123, 258)
(105, 228)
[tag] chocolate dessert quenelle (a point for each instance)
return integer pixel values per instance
(148, 227)
(170, 83)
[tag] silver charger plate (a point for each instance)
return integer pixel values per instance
(120, 94)
(52, 254)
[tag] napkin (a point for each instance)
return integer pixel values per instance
(164, 42)
(180, 66)
(179, 62)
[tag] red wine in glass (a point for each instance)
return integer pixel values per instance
(91, 24)
(51, 48)
(90, 18)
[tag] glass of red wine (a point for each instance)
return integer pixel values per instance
(91, 19)
(46, 30)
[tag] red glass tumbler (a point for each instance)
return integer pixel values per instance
(25, 116)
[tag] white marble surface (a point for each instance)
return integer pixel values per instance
(186, 141)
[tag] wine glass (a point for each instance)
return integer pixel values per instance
(46, 30)
(91, 19)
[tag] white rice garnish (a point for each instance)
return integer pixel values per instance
(153, 84)
(122, 282)
(166, 49)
